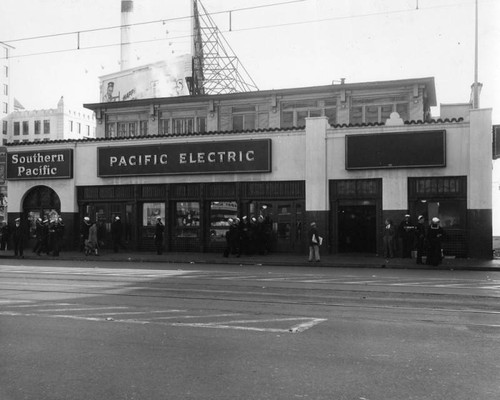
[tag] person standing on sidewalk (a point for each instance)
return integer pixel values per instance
(435, 236)
(420, 234)
(18, 236)
(159, 229)
(314, 243)
(116, 234)
(389, 237)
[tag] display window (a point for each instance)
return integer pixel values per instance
(220, 214)
(151, 211)
(187, 219)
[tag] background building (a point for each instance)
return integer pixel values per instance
(65, 122)
(6, 98)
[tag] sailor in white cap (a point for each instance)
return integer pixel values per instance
(420, 236)
(435, 237)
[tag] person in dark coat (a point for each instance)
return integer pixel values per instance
(406, 233)
(5, 232)
(116, 234)
(314, 243)
(420, 236)
(435, 235)
(232, 239)
(44, 232)
(84, 232)
(56, 231)
(38, 234)
(18, 237)
(159, 229)
(389, 235)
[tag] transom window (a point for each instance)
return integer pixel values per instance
(183, 125)
(126, 129)
(244, 118)
(294, 113)
(364, 111)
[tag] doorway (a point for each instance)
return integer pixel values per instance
(40, 202)
(357, 228)
(286, 217)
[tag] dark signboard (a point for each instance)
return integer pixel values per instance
(396, 150)
(42, 164)
(236, 156)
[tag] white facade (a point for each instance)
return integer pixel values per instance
(6, 98)
(61, 123)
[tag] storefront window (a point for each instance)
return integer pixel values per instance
(450, 212)
(187, 219)
(151, 211)
(220, 213)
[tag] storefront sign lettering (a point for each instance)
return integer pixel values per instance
(40, 164)
(187, 158)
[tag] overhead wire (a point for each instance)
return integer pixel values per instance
(231, 30)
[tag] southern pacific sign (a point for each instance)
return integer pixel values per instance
(236, 156)
(44, 164)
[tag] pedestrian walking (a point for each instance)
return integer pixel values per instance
(389, 235)
(314, 243)
(420, 235)
(435, 235)
(159, 229)
(84, 232)
(18, 237)
(92, 242)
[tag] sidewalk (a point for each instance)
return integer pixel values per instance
(277, 259)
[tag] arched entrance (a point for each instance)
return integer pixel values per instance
(40, 202)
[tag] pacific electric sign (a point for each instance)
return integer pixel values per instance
(46, 164)
(236, 156)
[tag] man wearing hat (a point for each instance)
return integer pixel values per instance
(18, 236)
(314, 243)
(116, 233)
(84, 232)
(434, 237)
(406, 234)
(420, 234)
(159, 229)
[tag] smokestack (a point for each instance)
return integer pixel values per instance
(126, 39)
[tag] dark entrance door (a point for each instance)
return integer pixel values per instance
(286, 218)
(357, 228)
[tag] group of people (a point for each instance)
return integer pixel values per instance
(49, 236)
(249, 236)
(425, 239)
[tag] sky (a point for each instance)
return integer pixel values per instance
(293, 43)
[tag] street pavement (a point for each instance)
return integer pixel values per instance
(275, 259)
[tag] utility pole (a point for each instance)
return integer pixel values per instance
(475, 99)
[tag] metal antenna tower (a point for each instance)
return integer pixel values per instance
(216, 69)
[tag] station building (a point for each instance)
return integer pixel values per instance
(347, 156)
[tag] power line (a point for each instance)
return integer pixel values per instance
(231, 30)
(148, 22)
